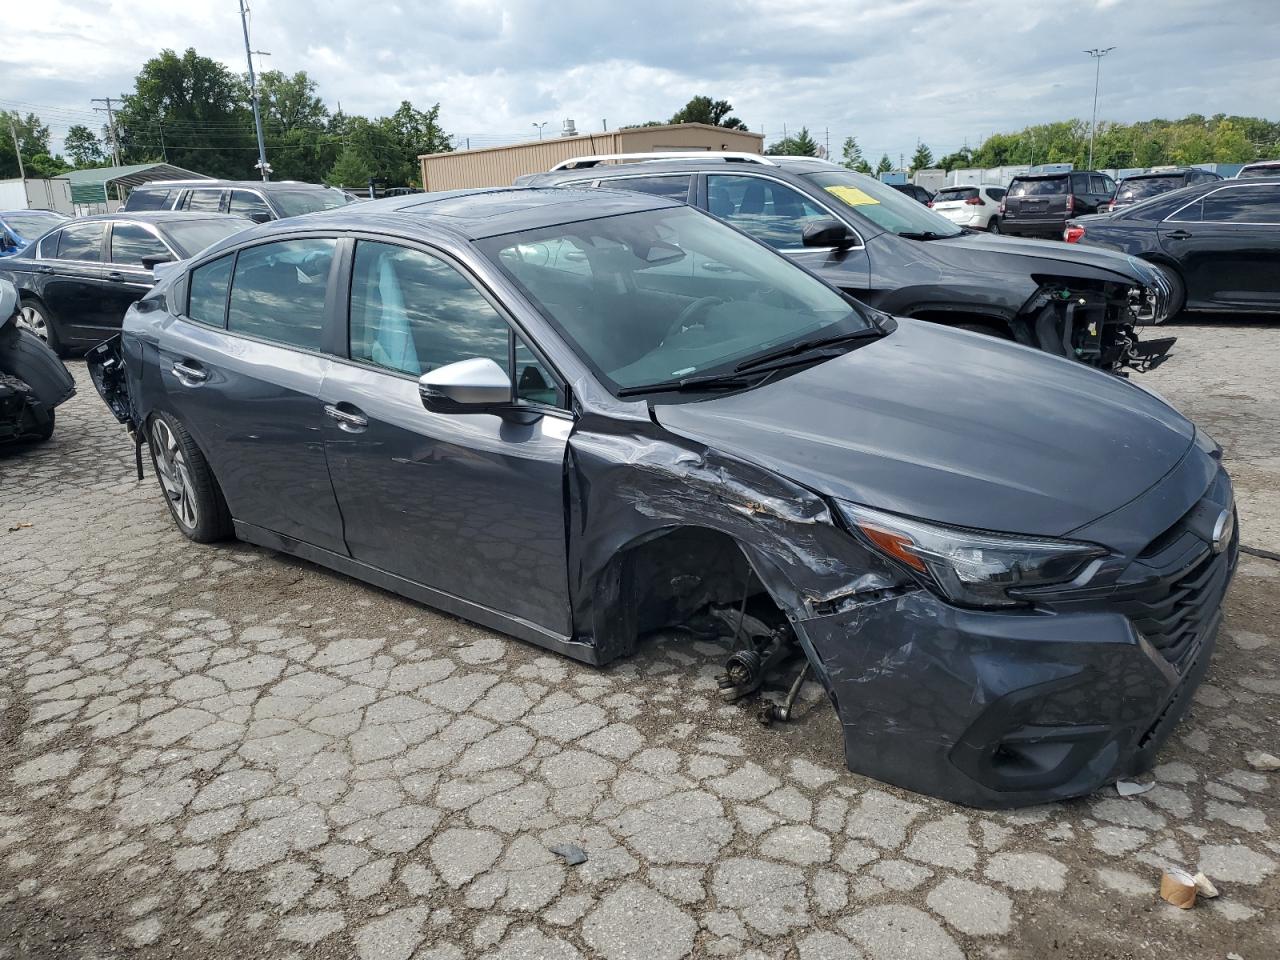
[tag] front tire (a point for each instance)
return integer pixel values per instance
(190, 490)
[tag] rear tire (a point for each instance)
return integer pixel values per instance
(1177, 289)
(34, 317)
(994, 225)
(190, 490)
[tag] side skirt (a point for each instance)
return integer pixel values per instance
(447, 602)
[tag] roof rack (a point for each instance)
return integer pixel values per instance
(579, 163)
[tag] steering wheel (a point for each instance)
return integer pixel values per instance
(688, 313)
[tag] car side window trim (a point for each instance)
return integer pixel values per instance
(1205, 196)
(478, 284)
(808, 195)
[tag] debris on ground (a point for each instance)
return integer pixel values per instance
(1204, 886)
(1261, 760)
(23, 526)
(1131, 788)
(572, 855)
(1179, 888)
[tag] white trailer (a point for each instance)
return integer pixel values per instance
(37, 195)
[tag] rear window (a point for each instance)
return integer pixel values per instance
(207, 200)
(956, 193)
(82, 241)
(278, 292)
(209, 284)
(1139, 188)
(1048, 187)
(148, 200)
(294, 203)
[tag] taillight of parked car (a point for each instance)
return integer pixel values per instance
(1073, 234)
(975, 202)
(1002, 208)
(1071, 203)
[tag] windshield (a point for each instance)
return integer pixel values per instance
(33, 224)
(882, 205)
(645, 298)
(1139, 188)
(192, 236)
(1052, 186)
(294, 203)
(955, 193)
(1261, 170)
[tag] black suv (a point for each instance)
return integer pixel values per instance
(256, 200)
(1039, 204)
(895, 254)
(915, 192)
(1140, 186)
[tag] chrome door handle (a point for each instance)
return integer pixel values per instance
(188, 375)
(351, 422)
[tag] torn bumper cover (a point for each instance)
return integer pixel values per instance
(993, 709)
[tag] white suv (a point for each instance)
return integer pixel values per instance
(977, 207)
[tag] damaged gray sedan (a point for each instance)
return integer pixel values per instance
(582, 416)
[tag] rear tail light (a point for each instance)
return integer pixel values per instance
(1071, 203)
(975, 202)
(1002, 208)
(929, 204)
(1073, 234)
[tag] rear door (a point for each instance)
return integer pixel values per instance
(1037, 199)
(243, 369)
(951, 203)
(70, 279)
(1228, 246)
(470, 505)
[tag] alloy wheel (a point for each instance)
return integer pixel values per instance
(29, 318)
(171, 464)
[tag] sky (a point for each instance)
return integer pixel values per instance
(891, 73)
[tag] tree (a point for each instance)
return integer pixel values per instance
(350, 170)
(44, 167)
(290, 103)
(797, 145)
(852, 157)
(922, 159)
(192, 110)
(955, 161)
(33, 140)
(83, 147)
(715, 113)
(884, 165)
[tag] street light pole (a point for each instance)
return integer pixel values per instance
(263, 166)
(540, 126)
(1097, 77)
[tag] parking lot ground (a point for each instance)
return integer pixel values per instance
(221, 752)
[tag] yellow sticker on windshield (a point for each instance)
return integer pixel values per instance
(852, 196)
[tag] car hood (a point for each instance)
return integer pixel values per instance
(1046, 250)
(952, 427)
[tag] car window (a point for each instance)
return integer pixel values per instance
(278, 291)
(1098, 184)
(996, 193)
(246, 204)
(82, 241)
(30, 225)
(131, 242)
(1139, 188)
(534, 383)
(1045, 187)
(765, 209)
(1260, 204)
(1261, 170)
(955, 193)
(675, 187)
(884, 206)
(294, 203)
(208, 200)
(148, 200)
(412, 312)
(208, 303)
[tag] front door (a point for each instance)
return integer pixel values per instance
(125, 279)
(471, 505)
(243, 373)
(776, 214)
(1228, 246)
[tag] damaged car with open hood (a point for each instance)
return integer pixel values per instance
(533, 409)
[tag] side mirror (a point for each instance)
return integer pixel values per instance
(469, 386)
(827, 233)
(150, 263)
(260, 217)
(8, 300)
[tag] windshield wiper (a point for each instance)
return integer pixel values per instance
(926, 235)
(710, 381)
(805, 346)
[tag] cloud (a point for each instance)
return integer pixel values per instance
(944, 71)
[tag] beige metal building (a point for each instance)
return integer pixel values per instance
(499, 166)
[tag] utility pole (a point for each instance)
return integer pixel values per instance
(111, 125)
(262, 164)
(1097, 77)
(827, 137)
(164, 151)
(22, 174)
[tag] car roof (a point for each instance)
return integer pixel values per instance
(474, 214)
(159, 216)
(52, 213)
(1171, 172)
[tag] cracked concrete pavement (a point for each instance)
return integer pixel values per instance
(222, 752)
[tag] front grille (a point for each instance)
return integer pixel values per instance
(1172, 612)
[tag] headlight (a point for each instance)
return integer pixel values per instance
(971, 568)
